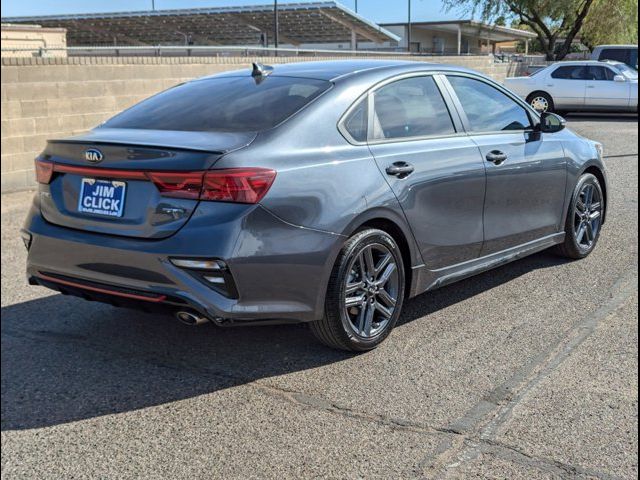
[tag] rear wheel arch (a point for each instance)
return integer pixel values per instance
(401, 238)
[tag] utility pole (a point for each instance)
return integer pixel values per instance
(355, 46)
(409, 26)
(275, 23)
(153, 5)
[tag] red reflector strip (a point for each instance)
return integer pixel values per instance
(158, 299)
(238, 185)
(100, 172)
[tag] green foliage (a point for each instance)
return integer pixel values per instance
(611, 22)
(556, 22)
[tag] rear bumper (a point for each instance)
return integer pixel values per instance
(280, 270)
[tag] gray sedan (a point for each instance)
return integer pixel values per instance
(325, 193)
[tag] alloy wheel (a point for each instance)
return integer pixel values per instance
(371, 290)
(587, 216)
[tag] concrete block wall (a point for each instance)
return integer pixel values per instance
(46, 98)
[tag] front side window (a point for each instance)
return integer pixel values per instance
(412, 107)
(487, 108)
(571, 72)
(602, 74)
(228, 104)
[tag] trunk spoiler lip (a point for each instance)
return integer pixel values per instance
(169, 139)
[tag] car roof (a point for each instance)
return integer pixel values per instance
(584, 62)
(625, 47)
(336, 69)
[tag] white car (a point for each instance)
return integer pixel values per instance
(580, 86)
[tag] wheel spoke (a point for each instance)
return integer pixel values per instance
(353, 287)
(386, 275)
(580, 235)
(383, 310)
(383, 263)
(354, 301)
(368, 320)
(370, 265)
(361, 318)
(594, 215)
(386, 298)
(589, 230)
(588, 196)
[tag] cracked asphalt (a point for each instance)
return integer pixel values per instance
(528, 371)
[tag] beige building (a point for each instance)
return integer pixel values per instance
(28, 40)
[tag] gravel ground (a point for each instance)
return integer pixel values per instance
(528, 371)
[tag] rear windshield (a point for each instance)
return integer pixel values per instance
(229, 104)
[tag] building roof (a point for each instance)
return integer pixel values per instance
(320, 22)
(472, 28)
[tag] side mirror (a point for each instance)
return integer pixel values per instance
(619, 79)
(552, 123)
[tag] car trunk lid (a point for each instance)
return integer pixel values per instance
(119, 181)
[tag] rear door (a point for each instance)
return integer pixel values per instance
(526, 170)
(567, 85)
(434, 169)
(603, 91)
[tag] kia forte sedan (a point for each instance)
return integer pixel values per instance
(325, 193)
(586, 86)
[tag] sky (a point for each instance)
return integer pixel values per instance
(380, 11)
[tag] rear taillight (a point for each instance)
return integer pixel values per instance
(176, 184)
(44, 171)
(239, 185)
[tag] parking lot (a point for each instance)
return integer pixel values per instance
(527, 371)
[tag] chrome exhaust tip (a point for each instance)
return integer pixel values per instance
(191, 319)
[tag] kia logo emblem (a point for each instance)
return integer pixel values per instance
(93, 155)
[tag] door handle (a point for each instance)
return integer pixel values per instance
(400, 169)
(496, 156)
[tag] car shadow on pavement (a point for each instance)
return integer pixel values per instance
(65, 360)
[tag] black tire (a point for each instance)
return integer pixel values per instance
(531, 100)
(572, 247)
(337, 329)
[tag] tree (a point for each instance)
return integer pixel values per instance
(611, 22)
(556, 22)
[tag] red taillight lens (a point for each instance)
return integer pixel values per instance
(44, 171)
(177, 184)
(239, 185)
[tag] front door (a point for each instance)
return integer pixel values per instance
(526, 170)
(603, 91)
(434, 169)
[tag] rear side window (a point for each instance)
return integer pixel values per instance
(413, 107)
(357, 122)
(617, 54)
(231, 104)
(487, 108)
(571, 72)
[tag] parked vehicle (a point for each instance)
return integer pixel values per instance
(325, 193)
(627, 54)
(580, 86)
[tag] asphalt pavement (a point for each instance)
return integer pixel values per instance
(527, 371)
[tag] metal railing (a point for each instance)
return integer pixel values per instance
(206, 50)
